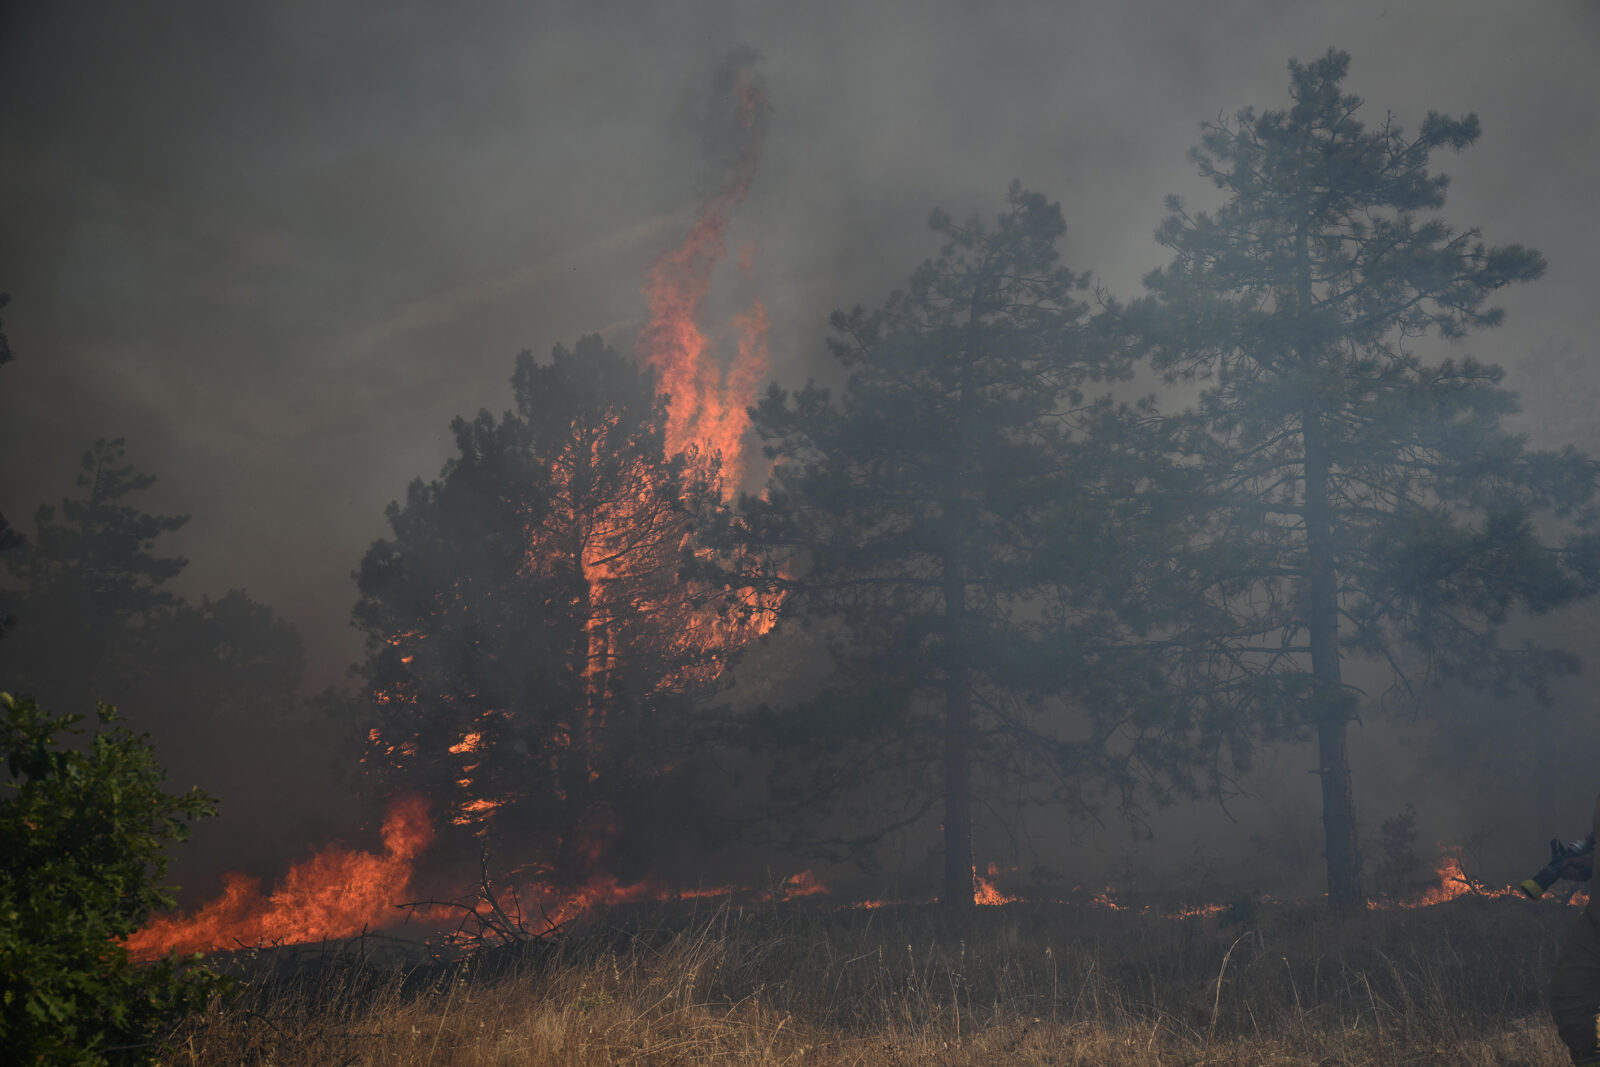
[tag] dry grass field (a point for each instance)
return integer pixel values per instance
(1458, 983)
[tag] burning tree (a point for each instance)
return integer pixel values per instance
(958, 521)
(1363, 502)
(533, 646)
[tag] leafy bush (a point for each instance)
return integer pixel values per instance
(82, 833)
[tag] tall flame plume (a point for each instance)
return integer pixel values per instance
(708, 408)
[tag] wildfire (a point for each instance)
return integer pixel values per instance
(339, 892)
(803, 884)
(638, 535)
(1455, 882)
(336, 893)
(708, 409)
(1104, 899)
(984, 893)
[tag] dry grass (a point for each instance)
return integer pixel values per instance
(1461, 983)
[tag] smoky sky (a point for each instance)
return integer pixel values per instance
(279, 246)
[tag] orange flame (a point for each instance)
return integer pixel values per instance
(1453, 883)
(336, 893)
(984, 893)
(708, 408)
(802, 884)
(1104, 899)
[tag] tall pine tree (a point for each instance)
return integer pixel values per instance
(91, 582)
(1364, 499)
(936, 519)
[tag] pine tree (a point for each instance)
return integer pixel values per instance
(217, 683)
(102, 547)
(1365, 501)
(90, 579)
(938, 520)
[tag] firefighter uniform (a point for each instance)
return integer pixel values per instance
(1575, 989)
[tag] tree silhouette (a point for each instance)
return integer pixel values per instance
(5, 346)
(955, 522)
(9, 537)
(90, 578)
(216, 682)
(1365, 502)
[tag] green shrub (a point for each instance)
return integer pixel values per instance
(82, 833)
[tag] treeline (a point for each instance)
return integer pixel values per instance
(1016, 585)
(994, 576)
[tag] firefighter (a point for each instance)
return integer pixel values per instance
(1575, 989)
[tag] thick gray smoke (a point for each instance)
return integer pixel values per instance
(279, 246)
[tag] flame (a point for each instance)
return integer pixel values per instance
(1454, 883)
(984, 893)
(474, 811)
(336, 893)
(802, 884)
(708, 407)
(1104, 899)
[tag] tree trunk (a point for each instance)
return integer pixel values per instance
(575, 755)
(1330, 703)
(958, 866)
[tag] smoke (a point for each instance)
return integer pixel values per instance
(279, 247)
(734, 122)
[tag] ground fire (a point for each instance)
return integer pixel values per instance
(340, 893)
(336, 893)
